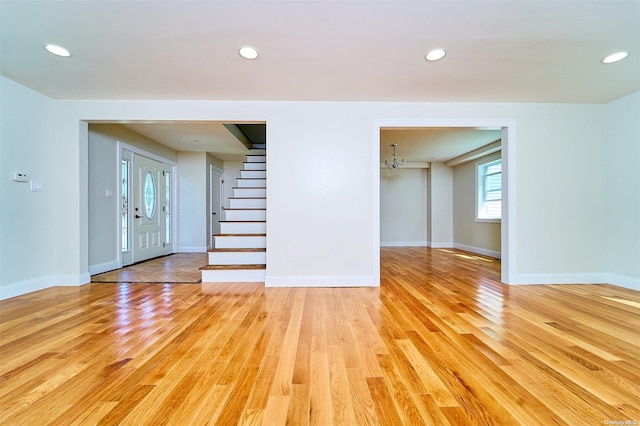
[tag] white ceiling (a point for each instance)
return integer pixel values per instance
(349, 50)
(433, 144)
(209, 136)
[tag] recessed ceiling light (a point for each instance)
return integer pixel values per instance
(57, 50)
(435, 55)
(615, 57)
(248, 52)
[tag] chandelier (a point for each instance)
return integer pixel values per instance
(394, 166)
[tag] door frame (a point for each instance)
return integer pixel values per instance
(120, 146)
(508, 226)
(215, 189)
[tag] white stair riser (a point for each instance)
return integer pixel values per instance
(256, 174)
(234, 276)
(247, 203)
(249, 192)
(243, 228)
(255, 166)
(237, 258)
(245, 215)
(256, 158)
(236, 241)
(252, 183)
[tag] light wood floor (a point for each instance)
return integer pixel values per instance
(440, 342)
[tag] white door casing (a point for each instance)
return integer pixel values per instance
(215, 183)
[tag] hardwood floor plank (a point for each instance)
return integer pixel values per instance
(382, 400)
(440, 342)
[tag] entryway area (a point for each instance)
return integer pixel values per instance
(174, 268)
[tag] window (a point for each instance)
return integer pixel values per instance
(489, 206)
(149, 195)
(167, 207)
(124, 206)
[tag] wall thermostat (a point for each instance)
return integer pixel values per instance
(19, 177)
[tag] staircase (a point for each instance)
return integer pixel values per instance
(239, 253)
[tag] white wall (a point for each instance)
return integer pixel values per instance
(440, 205)
(478, 237)
(323, 199)
(623, 190)
(403, 208)
(28, 220)
(104, 225)
(193, 204)
(230, 175)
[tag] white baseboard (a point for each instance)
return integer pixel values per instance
(524, 279)
(617, 280)
(192, 249)
(439, 245)
(626, 282)
(103, 267)
(403, 244)
(29, 286)
(321, 281)
(478, 250)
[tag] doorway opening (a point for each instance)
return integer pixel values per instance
(506, 131)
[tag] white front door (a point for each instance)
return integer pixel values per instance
(149, 218)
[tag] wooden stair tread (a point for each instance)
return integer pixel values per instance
(246, 208)
(237, 250)
(243, 221)
(247, 198)
(249, 187)
(231, 267)
(240, 235)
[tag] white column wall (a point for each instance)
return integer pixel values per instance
(193, 207)
(623, 190)
(440, 215)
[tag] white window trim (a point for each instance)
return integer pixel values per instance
(481, 163)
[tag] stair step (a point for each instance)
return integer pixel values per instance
(238, 257)
(237, 250)
(243, 226)
(253, 174)
(231, 267)
(240, 241)
(251, 158)
(247, 203)
(247, 214)
(252, 182)
(233, 273)
(255, 166)
(249, 192)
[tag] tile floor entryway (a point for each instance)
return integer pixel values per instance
(175, 268)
